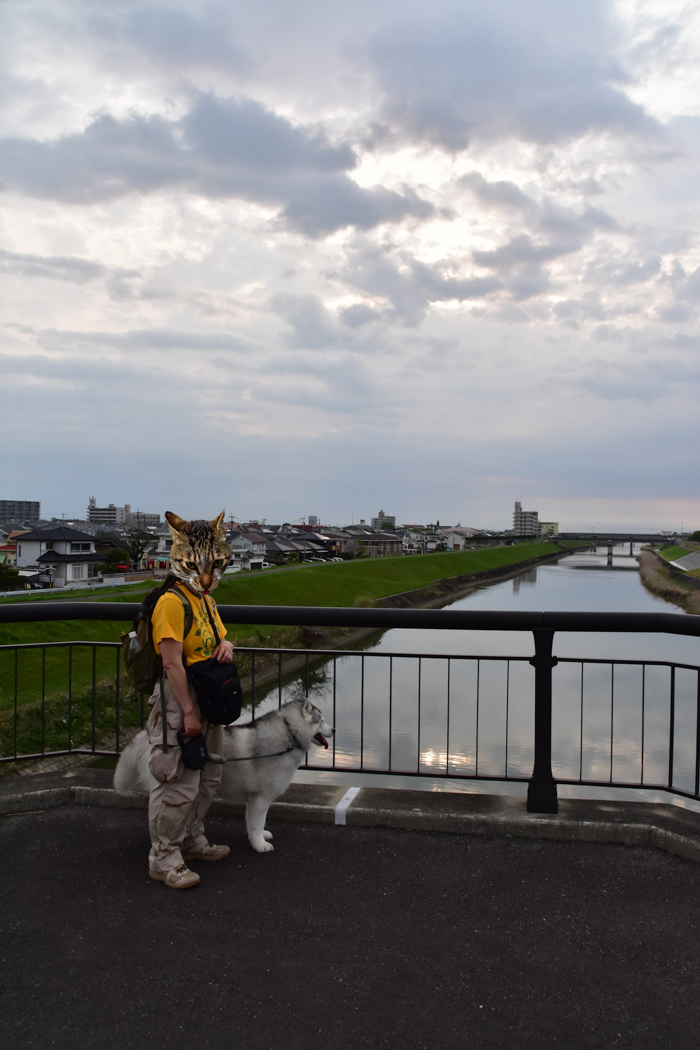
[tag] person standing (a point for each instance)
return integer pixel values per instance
(181, 799)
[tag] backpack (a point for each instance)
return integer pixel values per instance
(142, 662)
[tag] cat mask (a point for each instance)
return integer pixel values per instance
(200, 553)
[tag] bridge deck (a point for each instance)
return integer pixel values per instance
(342, 938)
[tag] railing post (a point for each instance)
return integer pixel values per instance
(542, 788)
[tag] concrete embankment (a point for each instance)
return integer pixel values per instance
(668, 583)
(445, 591)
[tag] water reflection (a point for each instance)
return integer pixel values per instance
(525, 579)
(472, 715)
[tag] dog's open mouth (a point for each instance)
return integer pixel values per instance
(321, 740)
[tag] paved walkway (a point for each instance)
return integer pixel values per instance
(344, 937)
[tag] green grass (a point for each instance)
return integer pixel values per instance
(673, 553)
(67, 719)
(355, 583)
(334, 584)
(342, 583)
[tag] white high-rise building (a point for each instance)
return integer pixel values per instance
(112, 515)
(525, 522)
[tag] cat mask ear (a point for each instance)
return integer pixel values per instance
(176, 523)
(217, 525)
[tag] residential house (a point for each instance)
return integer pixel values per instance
(158, 556)
(65, 553)
(460, 537)
(8, 548)
(373, 543)
(411, 542)
(248, 549)
(334, 541)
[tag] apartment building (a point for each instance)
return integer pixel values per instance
(525, 522)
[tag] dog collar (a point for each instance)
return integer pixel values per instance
(291, 732)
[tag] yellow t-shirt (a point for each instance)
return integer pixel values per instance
(168, 621)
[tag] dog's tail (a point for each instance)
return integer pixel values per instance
(127, 776)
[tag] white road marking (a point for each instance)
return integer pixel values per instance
(342, 807)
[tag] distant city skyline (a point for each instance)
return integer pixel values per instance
(624, 517)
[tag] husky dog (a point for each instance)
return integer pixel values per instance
(261, 758)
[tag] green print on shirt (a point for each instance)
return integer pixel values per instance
(204, 632)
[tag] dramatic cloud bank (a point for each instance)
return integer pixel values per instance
(331, 257)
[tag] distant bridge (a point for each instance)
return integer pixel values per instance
(607, 538)
(614, 539)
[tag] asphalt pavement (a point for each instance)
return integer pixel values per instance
(344, 937)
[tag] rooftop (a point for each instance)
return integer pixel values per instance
(57, 532)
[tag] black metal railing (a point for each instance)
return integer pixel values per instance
(520, 724)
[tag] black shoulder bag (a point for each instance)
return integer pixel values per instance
(217, 685)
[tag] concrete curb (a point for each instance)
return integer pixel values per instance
(436, 815)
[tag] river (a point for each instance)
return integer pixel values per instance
(598, 730)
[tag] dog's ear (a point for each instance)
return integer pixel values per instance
(307, 706)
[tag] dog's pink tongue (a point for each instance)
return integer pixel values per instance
(322, 740)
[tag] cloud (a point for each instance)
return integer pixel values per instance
(521, 261)
(312, 326)
(408, 285)
(221, 148)
(623, 270)
(144, 339)
(541, 71)
(160, 153)
(178, 38)
(502, 193)
(57, 267)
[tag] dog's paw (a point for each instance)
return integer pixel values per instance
(261, 846)
(267, 835)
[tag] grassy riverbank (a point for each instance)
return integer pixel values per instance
(334, 584)
(660, 582)
(673, 553)
(337, 584)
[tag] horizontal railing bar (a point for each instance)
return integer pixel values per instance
(462, 656)
(330, 653)
(632, 663)
(416, 773)
(54, 645)
(502, 779)
(359, 652)
(379, 619)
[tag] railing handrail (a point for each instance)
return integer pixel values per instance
(379, 619)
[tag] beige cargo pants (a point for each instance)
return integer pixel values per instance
(180, 800)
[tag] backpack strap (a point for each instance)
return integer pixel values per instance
(162, 709)
(187, 627)
(187, 608)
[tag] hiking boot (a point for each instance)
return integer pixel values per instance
(206, 852)
(176, 878)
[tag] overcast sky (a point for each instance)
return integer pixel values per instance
(326, 258)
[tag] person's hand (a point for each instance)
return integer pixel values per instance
(224, 652)
(192, 725)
